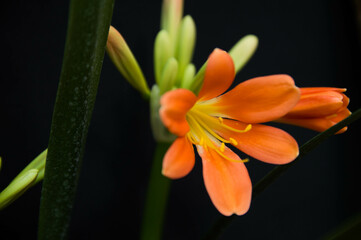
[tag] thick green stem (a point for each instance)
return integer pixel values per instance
(223, 222)
(156, 199)
(88, 27)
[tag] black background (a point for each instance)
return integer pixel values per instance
(316, 42)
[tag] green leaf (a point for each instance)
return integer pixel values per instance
(87, 33)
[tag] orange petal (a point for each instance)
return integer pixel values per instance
(318, 124)
(345, 101)
(174, 107)
(219, 75)
(228, 183)
(339, 117)
(265, 143)
(258, 100)
(317, 104)
(308, 90)
(179, 159)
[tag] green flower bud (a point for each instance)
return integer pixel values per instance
(169, 75)
(162, 52)
(188, 76)
(185, 45)
(243, 50)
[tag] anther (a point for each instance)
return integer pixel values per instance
(220, 120)
(331, 116)
(245, 160)
(233, 141)
(222, 147)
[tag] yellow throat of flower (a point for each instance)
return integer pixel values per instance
(205, 129)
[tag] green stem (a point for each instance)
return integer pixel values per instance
(156, 199)
(87, 33)
(223, 222)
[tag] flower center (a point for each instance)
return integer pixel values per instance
(204, 131)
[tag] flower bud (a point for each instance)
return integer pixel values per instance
(172, 11)
(185, 45)
(188, 76)
(319, 108)
(17, 187)
(243, 50)
(162, 52)
(169, 75)
(125, 61)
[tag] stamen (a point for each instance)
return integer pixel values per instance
(249, 127)
(195, 127)
(204, 132)
(210, 118)
(205, 126)
(228, 158)
(191, 138)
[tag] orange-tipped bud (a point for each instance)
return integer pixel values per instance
(319, 108)
(124, 60)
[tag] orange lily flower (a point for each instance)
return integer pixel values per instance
(319, 108)
(211, 120)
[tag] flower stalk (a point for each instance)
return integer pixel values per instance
(156, 198)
